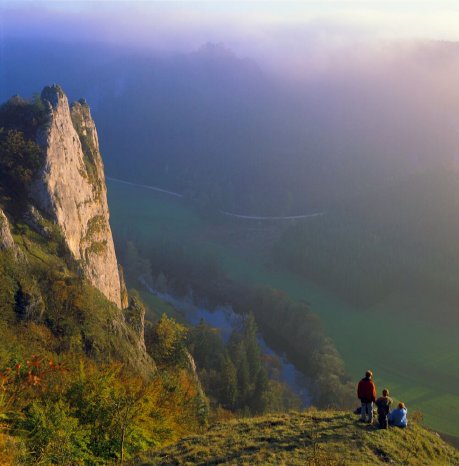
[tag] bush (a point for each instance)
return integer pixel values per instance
(54, 436)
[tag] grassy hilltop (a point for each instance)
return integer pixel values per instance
(313, 437)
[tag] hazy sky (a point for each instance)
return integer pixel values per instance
(219, 19)
(298, 34)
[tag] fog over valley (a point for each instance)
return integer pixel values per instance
(264, 196)
(257, 141)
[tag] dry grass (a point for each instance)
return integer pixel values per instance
(325, 438)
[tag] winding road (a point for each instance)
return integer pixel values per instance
(145, 186)
(224, 212)
(286, 217)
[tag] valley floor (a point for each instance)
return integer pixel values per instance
(418, 360)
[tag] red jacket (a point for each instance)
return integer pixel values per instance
(366, 390)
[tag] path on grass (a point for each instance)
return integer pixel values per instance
(224, 212)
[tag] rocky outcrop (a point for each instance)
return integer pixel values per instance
(135, 318)
(6, 240)
(29, 304)
(124, 291)
(36, 222)
(71, 189)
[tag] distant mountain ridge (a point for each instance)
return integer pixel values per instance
(215, 126)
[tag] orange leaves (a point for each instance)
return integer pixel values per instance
(33, 379)
(118, 413)
(35, 362)
(19, 377)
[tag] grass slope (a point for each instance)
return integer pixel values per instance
(418, 360)
(65, 317)
(312, 437)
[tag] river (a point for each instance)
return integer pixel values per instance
(225, 319)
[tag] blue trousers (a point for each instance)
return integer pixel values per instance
(366, 412)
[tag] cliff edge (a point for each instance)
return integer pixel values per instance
(313, 437)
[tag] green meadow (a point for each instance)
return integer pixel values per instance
(410, 353)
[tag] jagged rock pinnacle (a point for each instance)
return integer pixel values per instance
(71, 189)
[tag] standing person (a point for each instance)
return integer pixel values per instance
(383, 403)
(366, 392)
(398, 416)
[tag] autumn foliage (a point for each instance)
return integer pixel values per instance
(79, 413)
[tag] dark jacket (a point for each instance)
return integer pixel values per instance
(366, 390)
(383, 403)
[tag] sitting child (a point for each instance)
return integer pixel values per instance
(398, 416)
(383, 403)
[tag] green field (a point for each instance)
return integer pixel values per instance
(416, 358)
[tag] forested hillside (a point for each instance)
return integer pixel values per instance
(288, 326)
(400, 239)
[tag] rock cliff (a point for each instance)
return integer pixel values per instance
(71, 189)
(6, 240)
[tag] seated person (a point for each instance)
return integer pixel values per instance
(383, 403)
(398, 416)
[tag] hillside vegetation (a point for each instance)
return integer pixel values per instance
(312, 437)
(78, 384)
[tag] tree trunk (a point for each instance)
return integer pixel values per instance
(123, 433)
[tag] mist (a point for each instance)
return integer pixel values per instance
(300, 36)
(311, 148)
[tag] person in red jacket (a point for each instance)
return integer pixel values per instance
(366, 392)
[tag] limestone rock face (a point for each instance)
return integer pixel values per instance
(34, 220)
(71, 189)
(6, 240)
